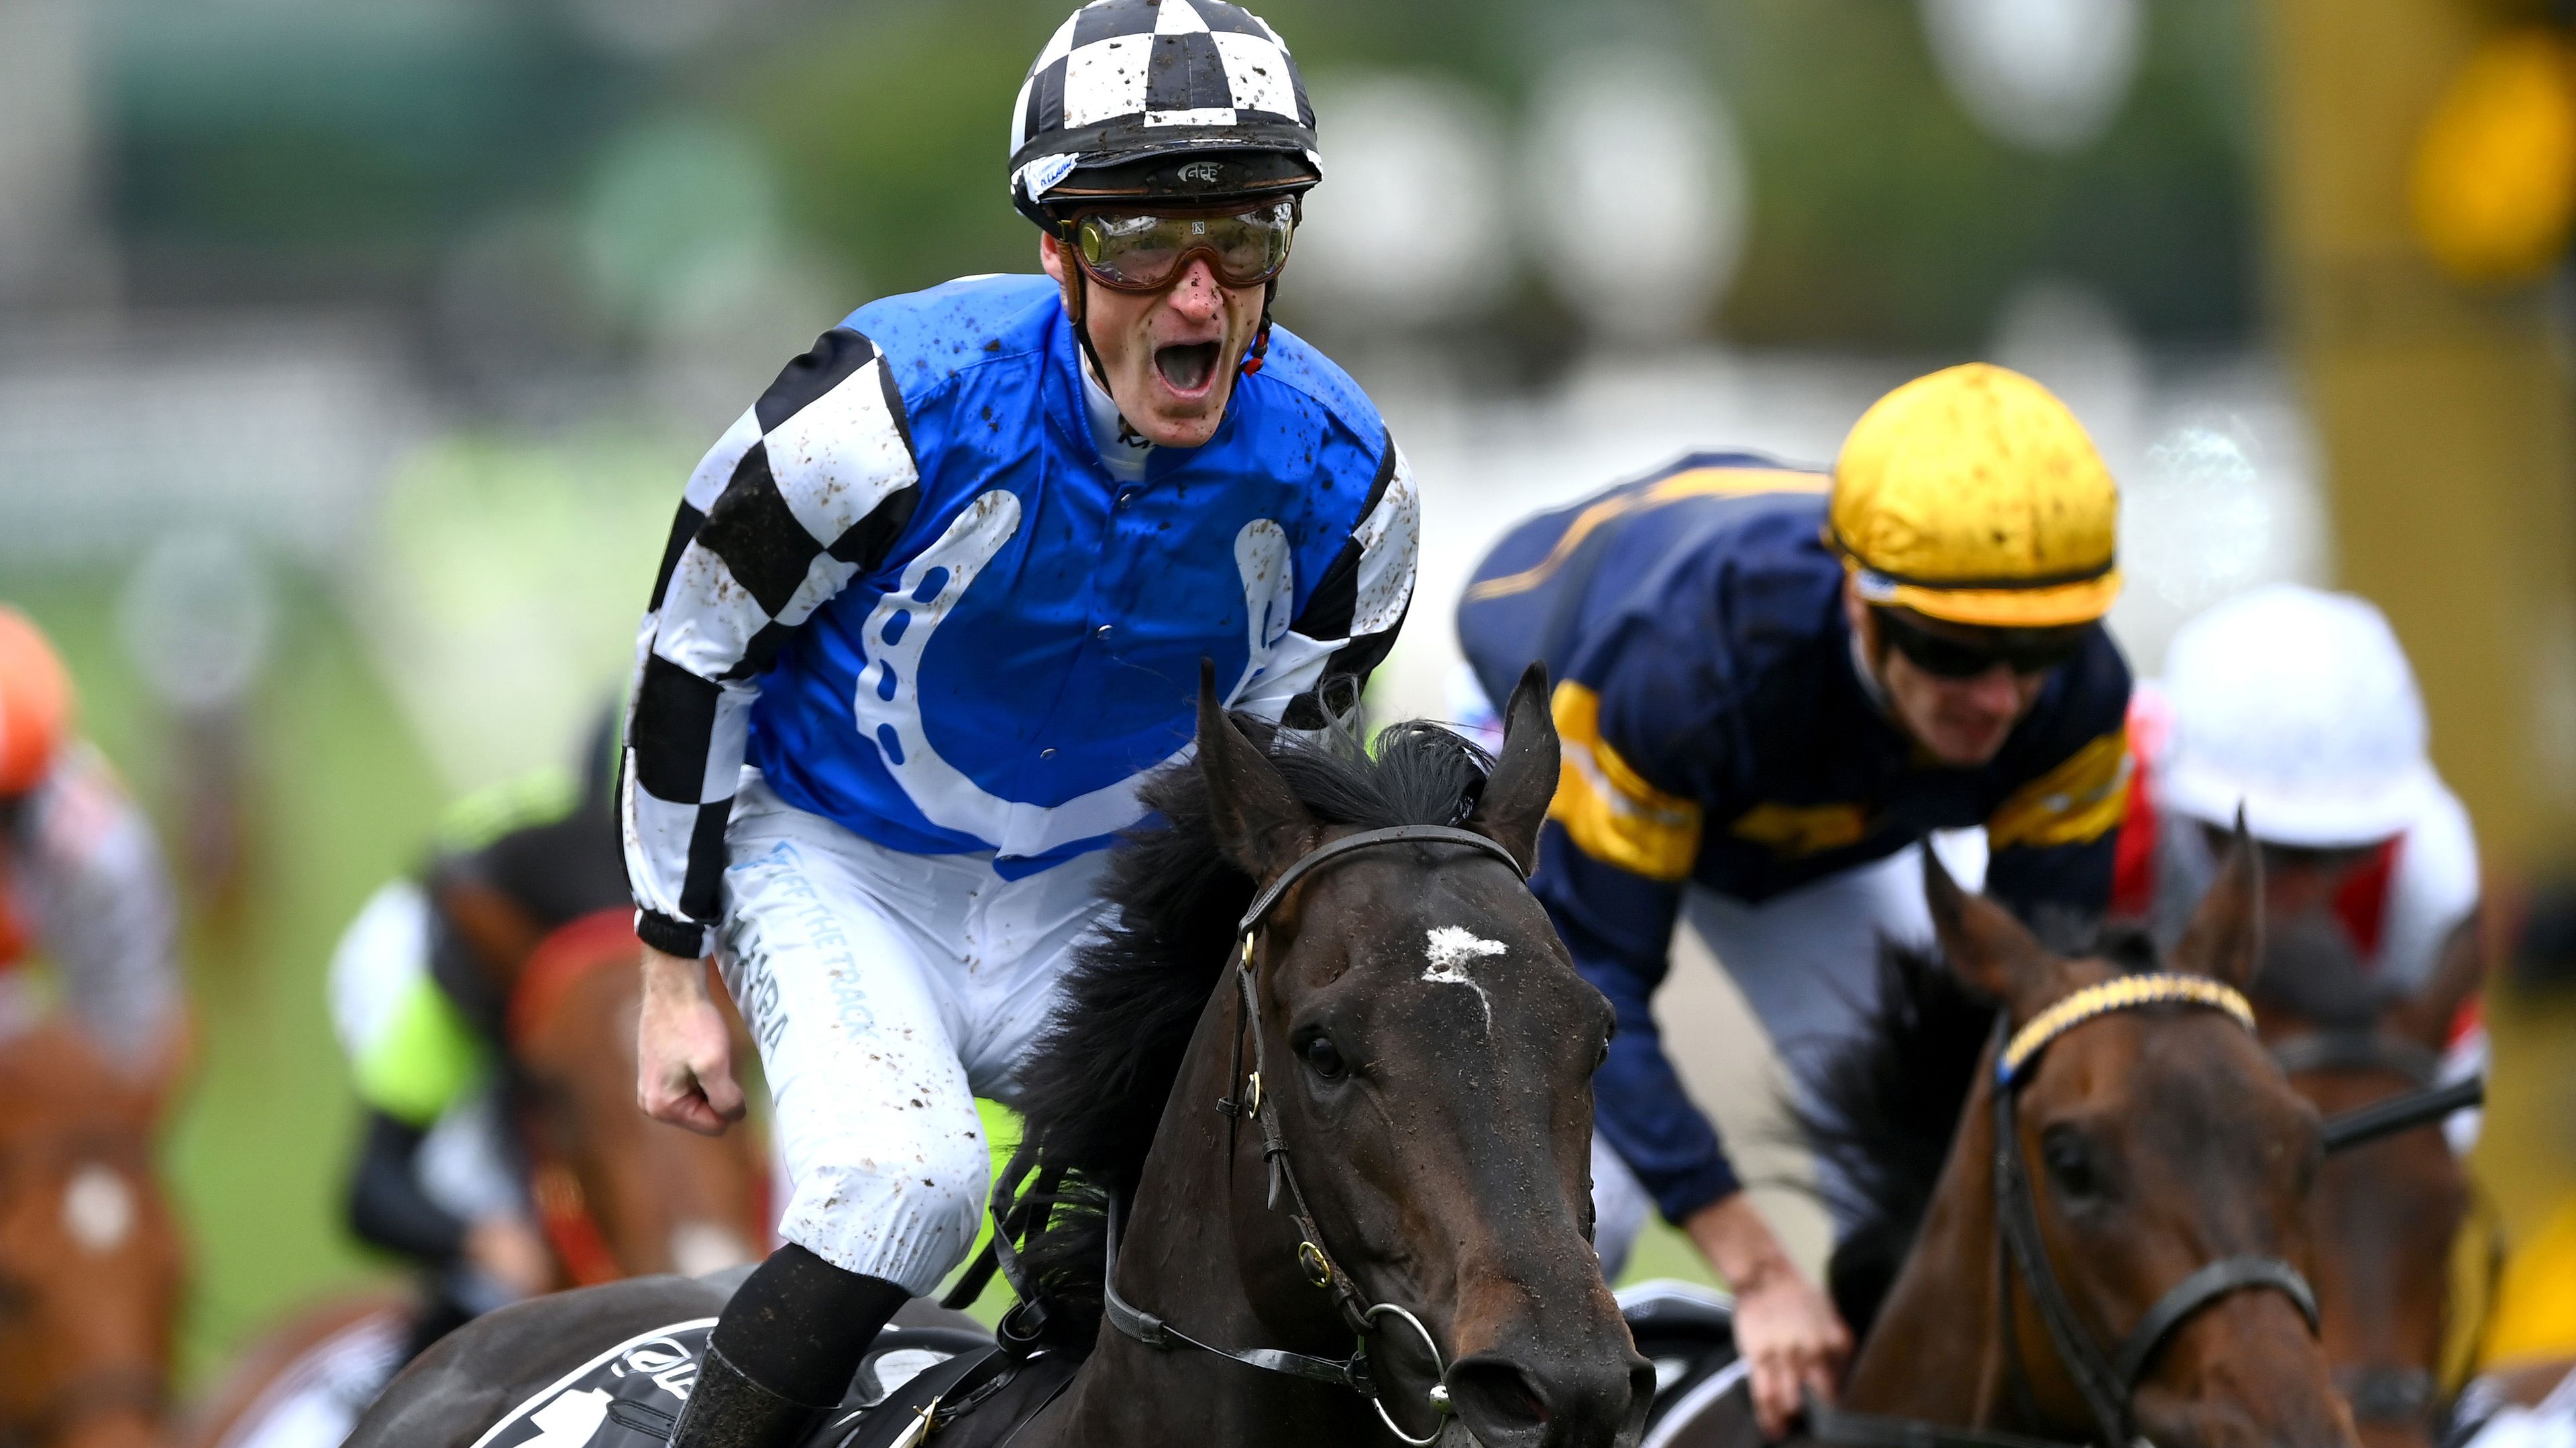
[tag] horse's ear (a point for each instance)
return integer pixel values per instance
(1515, 800)
(2225, 939)
(2426, 1016)
(1259, 822)
(1989, 949)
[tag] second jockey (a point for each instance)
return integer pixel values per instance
(416, 1000)
(1773, 685)
(933, 608)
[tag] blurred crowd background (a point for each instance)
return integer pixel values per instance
(353, 352)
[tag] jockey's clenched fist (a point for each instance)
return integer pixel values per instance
(684, 1049)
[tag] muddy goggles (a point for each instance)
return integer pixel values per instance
(2025, 651)
(1142, 253)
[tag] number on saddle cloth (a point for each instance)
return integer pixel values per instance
(630, 1396)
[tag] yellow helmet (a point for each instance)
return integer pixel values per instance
(1973, 495)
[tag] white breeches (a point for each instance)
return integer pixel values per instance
(886, 991)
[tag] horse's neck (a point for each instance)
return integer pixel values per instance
(1916, 1363)
(1196, 1231)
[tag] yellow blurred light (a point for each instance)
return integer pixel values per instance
(2535, 1309)
(2494, 190)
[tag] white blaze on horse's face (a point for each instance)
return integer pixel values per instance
(1450, 948)
(98, 1209)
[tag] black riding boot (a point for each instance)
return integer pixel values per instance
(726, 1409)
(781, 1357)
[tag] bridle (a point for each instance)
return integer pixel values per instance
(2107, 1381)
(1314, 1258)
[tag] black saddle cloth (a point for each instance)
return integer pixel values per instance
(929, 1361)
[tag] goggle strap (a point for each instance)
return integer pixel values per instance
(1079, 314)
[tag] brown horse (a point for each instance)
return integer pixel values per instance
(2123, 1262)
(90, 1264)
(1410, 1159)
(2384, 1215)
(619, 1194)
(2155, 1142)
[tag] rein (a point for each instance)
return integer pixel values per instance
(2425, 1101)
(1314, 1258)
(2106, 1381)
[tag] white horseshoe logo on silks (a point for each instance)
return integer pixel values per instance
(1269, 589)
(943, 793)
(1282, 664)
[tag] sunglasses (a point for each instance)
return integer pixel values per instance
(1131, 253)
(2025, 651)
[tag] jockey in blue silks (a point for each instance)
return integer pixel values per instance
(933, 608)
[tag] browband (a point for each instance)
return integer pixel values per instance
(2128, 992)
(1397, 834)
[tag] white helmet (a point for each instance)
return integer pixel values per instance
(2297, 705)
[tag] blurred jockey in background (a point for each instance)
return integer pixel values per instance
(1773, 686)
(81, 877)
(420, 1006)
(2298, 706)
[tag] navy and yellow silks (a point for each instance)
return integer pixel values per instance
(1718, 732)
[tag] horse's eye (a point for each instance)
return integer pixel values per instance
(1323, 1058)
(1601, 1057)
(2069, 1162)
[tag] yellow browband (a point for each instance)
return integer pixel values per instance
(2126, 993)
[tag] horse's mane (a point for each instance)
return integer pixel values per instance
(1887, 1107)
(1092, 1092)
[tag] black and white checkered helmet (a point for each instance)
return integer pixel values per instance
(1187, 100)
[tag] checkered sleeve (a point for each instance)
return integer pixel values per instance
(805, 491)
(1357, 608)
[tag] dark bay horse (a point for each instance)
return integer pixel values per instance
(1417, 1139)
(618, 1194)
(90, 1263)
(2166, 1166)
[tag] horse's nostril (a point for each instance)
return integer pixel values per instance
(1498, 1401)
(1641, 1382)
(1551, 1398)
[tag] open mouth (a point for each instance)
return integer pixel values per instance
(1186, 366)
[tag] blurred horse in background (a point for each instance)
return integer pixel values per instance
(618, 1194)
(2385, 1216)
(90, 1261)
